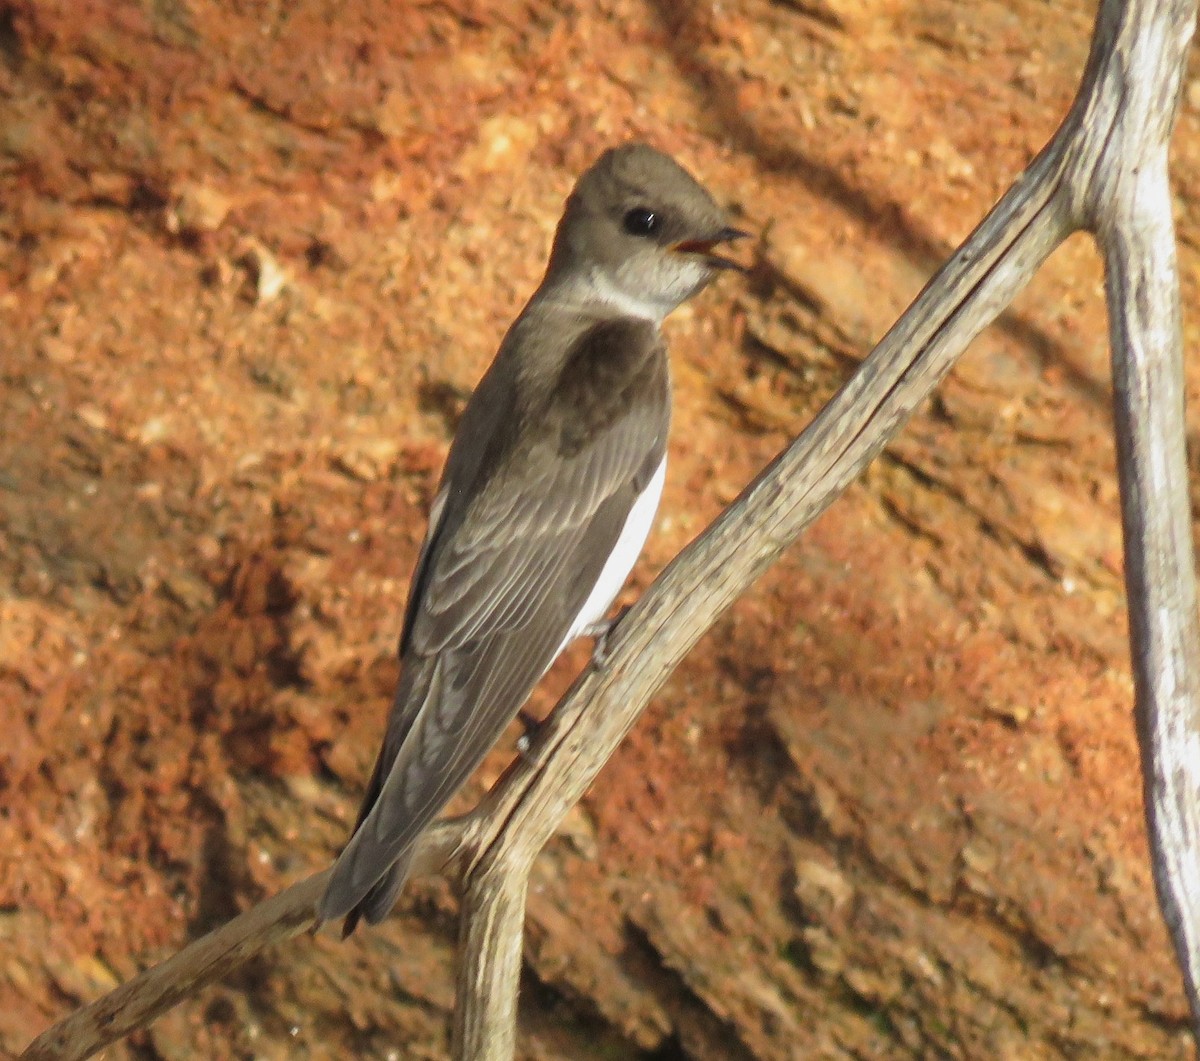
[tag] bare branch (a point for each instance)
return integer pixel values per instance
(150, 994)
(489, 956)
(1132, 218)
(1143, 288)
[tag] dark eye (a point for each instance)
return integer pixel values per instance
(641, 221)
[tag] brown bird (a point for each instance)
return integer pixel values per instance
(547, 497)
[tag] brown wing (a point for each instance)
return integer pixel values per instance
(508, 570)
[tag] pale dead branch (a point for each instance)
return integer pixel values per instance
(1105, 171)
(150, 994)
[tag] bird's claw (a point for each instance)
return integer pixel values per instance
(529, 726)
(601, 631)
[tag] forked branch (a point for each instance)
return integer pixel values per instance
(1105, 170)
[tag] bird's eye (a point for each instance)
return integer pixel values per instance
(641, 221)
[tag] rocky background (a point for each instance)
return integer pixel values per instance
(255, 256)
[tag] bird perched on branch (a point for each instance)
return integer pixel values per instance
(545, 502)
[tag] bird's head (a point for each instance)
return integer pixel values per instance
(641, 233)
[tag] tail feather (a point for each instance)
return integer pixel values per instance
(449, 710)
(378, 902)
(342, 896)
(382, 897)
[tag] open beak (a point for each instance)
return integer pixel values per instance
(705, 248)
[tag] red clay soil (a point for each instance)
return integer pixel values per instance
(255, 257)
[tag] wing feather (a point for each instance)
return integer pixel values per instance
(501, 578)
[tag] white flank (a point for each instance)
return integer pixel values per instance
(624, 555)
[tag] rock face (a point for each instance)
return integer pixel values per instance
(254, 261)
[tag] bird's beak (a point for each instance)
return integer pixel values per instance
(704, 247)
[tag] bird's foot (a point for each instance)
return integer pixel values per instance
(530, 727)
(601, 631)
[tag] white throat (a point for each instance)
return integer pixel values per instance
(602, 288)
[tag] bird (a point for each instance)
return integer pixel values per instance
(547, 496)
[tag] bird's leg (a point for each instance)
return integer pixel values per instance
(530, 725)
(601, 630)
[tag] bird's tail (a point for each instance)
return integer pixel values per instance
(378, 902)
(347, 895)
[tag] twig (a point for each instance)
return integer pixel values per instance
(150, 994)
